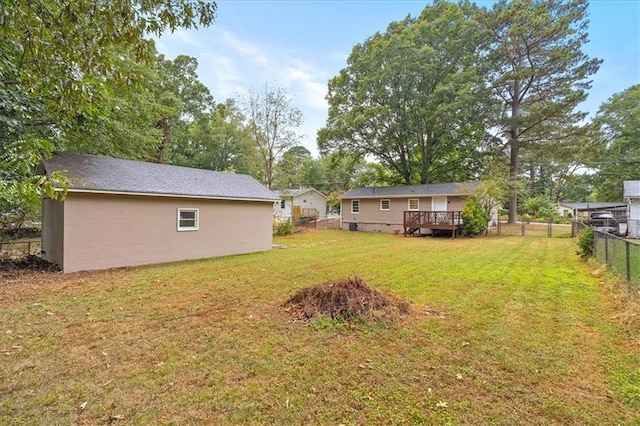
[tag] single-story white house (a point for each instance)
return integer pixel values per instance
(397, 208)
(306, 202)
(124, 213)
(581, 211)
(631, 194)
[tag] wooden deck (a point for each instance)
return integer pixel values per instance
(444, 220)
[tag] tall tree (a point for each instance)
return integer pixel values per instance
(124, 126)
(57, 64)
(272, 121)
(220, 141)
(292, 169)
(414, 97)
(186, 100)
(540, 75)
(616, 149)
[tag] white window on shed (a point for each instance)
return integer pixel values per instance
(188, 219)
(414, 204)
(355, 206)
(385, 204)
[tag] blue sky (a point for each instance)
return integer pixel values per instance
(301, 45)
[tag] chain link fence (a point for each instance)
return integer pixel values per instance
(19, 249)
(532, 229)
(621, 256)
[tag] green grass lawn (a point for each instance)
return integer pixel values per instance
(530, 336)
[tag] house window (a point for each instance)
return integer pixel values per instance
(385, 204)
(414, 204)
(355, 206)
(187, 219)
(282, 204)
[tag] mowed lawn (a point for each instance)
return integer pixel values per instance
(529, 336)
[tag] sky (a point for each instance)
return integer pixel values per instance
(302, 44)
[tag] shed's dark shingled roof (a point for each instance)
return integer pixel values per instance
(92, 173)
(434, 189)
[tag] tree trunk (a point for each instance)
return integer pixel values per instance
(163, 124)
(513, 177)
(515, 153)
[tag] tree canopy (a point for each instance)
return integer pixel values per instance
(616, 150)
(67, 67)
(272, 120)
(540, 74)
(414, 97)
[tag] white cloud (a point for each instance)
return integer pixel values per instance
(247, 49)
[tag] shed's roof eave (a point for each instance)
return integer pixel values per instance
(164, 195)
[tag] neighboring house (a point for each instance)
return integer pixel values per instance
(305, 202)
(124, 213)
(382, 209)
(581, 211)
(631, 194)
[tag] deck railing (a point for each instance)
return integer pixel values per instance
(418, 219)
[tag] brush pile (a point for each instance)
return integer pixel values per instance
(30, 263)
(345, 300)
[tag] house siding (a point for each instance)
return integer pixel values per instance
(118, 230)
(53, 231)
(311, 199)
(372, 219)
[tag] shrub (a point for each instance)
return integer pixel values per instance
(475, 219)
(284, 228)
(585, 243)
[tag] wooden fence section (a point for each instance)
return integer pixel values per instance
(415, 220)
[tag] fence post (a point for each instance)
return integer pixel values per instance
(628, 249)
(606, 250)
(522, 229)
(549, 229)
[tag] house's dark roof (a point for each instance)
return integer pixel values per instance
(631, 189)
(103, 174)
(294, 192)
(592, 206)
(428, 190)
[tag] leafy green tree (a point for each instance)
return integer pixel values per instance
(272, 120)
(414, 97)
(616, 149)
(124, 126)
(59, 66)
(540, 73)
(290, 170)
(539, 207)
(185, 98)
(217, 140)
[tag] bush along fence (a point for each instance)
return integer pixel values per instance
(621, 256)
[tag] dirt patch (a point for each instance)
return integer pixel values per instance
(347, 300)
